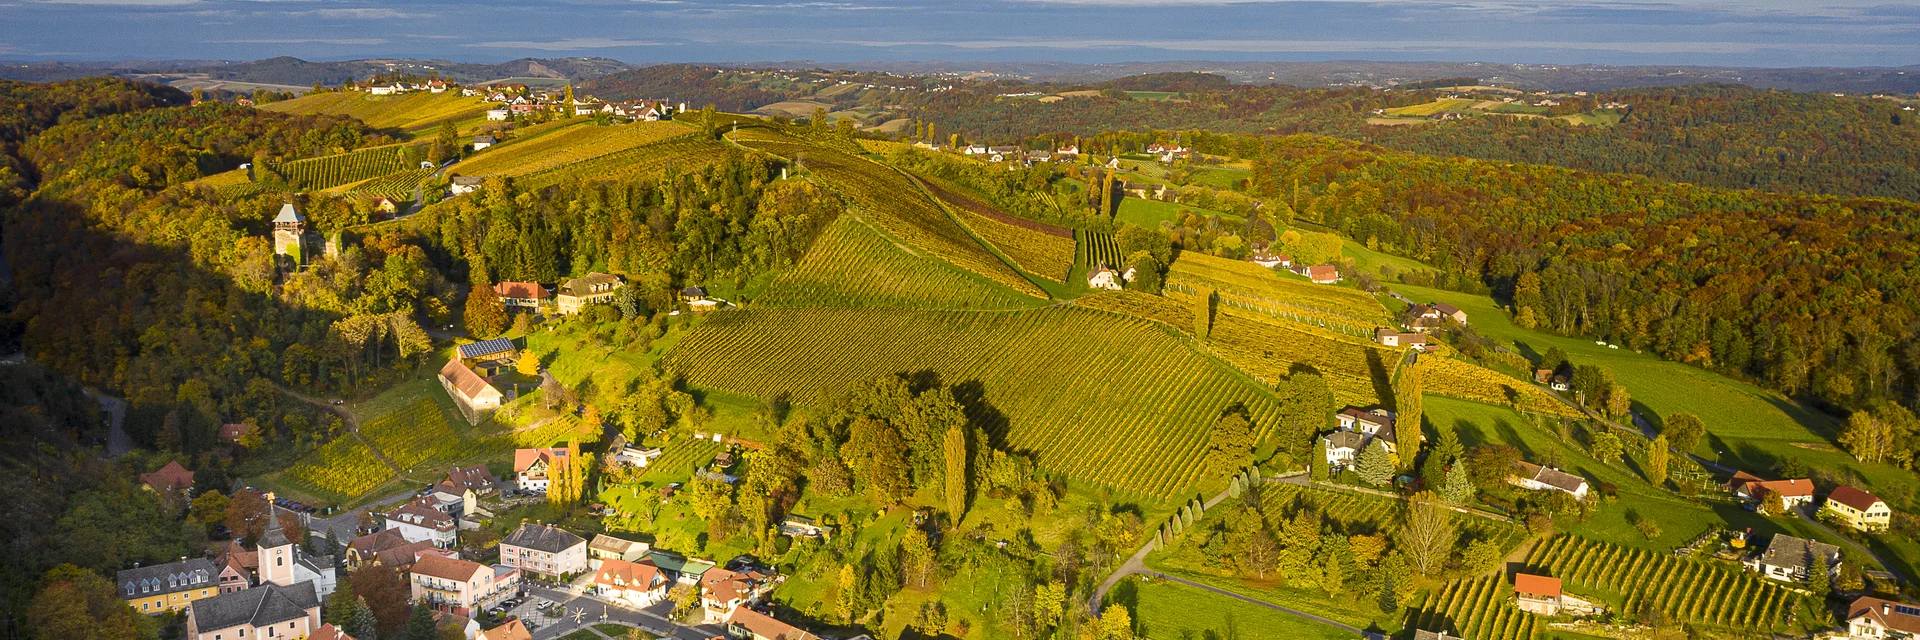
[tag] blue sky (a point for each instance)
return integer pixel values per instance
(1775, 33)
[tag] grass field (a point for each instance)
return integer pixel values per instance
(1152, 95)
(1166, 610)
(1429, 108)
(854, 263)
(1150, 213)
(415, 113)
(1107, 400)
(568, 146)
(1222, 177)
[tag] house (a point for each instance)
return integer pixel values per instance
(1377, 423)
(448, 624)
(385, 205)
(329, 632)
(1786, 558)
(236, 431)
(693, 294)
(1539, 595)
(521, 295)
(458, 185)
(1423, 634)
(1560, 383)
(593, 288)
(976, 150)
(1039, 156)
(1449, 311)
(681, 569)
(460, 587)
(532, 466)
(487, 350)
(513, 630)
(624, 453)
(1068, 151)
(382, 90)
(1271, 260)
(267, 611)
(1793, 493)
(1876, 619)
(170, 479)
(419, 520)
(1343, 448)
(1542, 376)
(722, 591)
(168, 587)
(482, 141)
(237, 565)
(606, 547)
(1319, 274)
(1858, 509)
(747, 624)
(459, 493)
(634, 584)
(497, 115)
(545, 550)
(801, 527)
(374, 548)
(1391, 338)
(1104, 277)
(1535, 477)
(471, 393)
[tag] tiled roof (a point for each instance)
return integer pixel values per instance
(763, 626)
(1788, 552)
(1550, 476)
(1892, 615)
(464, 380)
(524, 458)
(540, 537)
(329, 632)
(419, 513)
(584, 285)
(260, 606)
(610, 544)
(519, 290)
(1853, 497)
(512, 630)
(171, 577)
(447, 568)
(172, 477)
(377, 542)
(621, 574)
(1532, 585)
(1346, 440)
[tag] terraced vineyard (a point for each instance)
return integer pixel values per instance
(1450, 377)
(1106, 400)
(1041, 249)
(342, 469)
(684, 153)
(1145, 306)
(1477, 609)
(344, 168)
(554, 432)
(1259, 286)
(854, 264)
(888, 198)
(1268, 349)
(680, 458)
(397, 186)
(1098, 248)
(1698, 592)
(568, 146)
(412, 113)
(419, 433)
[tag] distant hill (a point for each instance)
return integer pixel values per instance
(694, 85)
(294, 71)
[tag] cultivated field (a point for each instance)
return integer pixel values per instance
(1040, 249)
(1107, 400)
(413, 113)
(1450, 377)
(1270, 349)
(568, 146)
(1477, 609)
(344, 168)
(341, 470)
(856, 264)
(1261, 287)
(1706, 593)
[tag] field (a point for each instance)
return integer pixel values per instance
(1269, 349)
(1098, 248)
(342, 469)
(1221, 177)
(1260, 287)
(397, 186)
(795, 108)
(344, 168)
(1150, 213)
(894, 202)
(1146, 306)
(1430, 108)
(686, 153)
(855, 264)
(568, 146)
(412, 113)
(1449, 377)
(1707, 593)
(1477, 609)
(1106, 400)
(1167, 610)
(1152, 95)
(1041, 249)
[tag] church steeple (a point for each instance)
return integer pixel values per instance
(278, 555)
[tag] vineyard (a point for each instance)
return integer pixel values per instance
(1380, 513)
(1686, 590)
(397, 186)
(1041, 249)
(1100, 248)
(413, 113)
(1259, 286)
(1450, 377)
(568, 146)
(343, 468)
(894, 202)
(1269, 349)
(1477, 609)
(1107, 400)
(684, 153)
(419, 433)
(1145, 306)
(554, 432)
(680, 458)
(853, 264)
(344, 168)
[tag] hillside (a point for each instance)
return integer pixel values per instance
(410, 114)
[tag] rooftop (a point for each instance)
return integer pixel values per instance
(541, 537)
(266, 604)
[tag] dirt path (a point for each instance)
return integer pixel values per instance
(1137, 563)
(1263, 603)
(352, 422)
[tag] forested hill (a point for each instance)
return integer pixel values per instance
(1719, 135)
(693, 85)
(28, 108)
(1809, 294)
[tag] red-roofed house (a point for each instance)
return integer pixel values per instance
(1793, 493)
(531, 466)
(512, 630)
(747, 624)
(169, 479)
(419, 520)
(329, 632)
(1537, 594)
(1858, 509)
(637, 584)
(472, 393)
(460, 586)
(521, 295)
(722, 591)
(235, 431)
(1320, 273)
(1870, 617)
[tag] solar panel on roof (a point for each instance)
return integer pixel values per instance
(1905, 609)
(486, 347)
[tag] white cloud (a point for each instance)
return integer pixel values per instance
(124, 3)
(1393, 46)
(359, 13)
(568, 44)
(339, 41)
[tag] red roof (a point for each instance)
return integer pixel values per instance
(524, 458)
(1796, 488)
(1323, 272)
(464, 380)
(520, 290)
(329, 632)
(446, 568)
(172, 477)
(1539, 586)
(1852, 497)
(234, 430)
(622, 574)
(1890, 614)
(512, 630)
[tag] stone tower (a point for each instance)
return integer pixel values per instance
(291, 240)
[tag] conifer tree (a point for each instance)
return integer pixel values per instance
(956, 486)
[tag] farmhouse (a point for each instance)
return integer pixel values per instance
(1535, 477)
(497, 115)
(747, 624)
(1434, 314)
(1539, 595)
(1876, 619)
(531, 467)
(1391, 338)
(471, 393)
(419, 521)
(1319, 274)
(631, 583)
(1857, 508)
(268, 611)
(1793, 493)
(1104, 277)
(544, 550)
(605, 547)
(1271, 260)
(460, 587)
(482, 141)
(170, 479)
(458, 185)
(1787, 558)
(521, 295)
(593, 288)
(722, 591)
(168, 587)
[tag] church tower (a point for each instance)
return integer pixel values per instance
(291, 241)
(277, 554)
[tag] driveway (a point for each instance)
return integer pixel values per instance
(344, 526)
(118, 442)
(591, 610)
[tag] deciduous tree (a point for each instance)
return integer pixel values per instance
(1426, 533)
(1657, 458)
(1684, 431)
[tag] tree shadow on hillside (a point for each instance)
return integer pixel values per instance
(1382, 379)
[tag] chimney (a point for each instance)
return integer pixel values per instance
(1886, 608)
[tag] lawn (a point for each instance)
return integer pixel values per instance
(1166, 610)
(1150, 213)
(1220, 178)
(1370, 261)
(1152, 95)
(1601, 118)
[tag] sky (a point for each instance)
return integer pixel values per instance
(1760, 33)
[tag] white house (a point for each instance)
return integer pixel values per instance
(1343, 448)
(532, 466)
(1104, 277)
(464, 184)
(497, 115)
(1787, 557)
(419, 520)
(1870, 618)
(545, 550)
(631, 583)
(482, 141)
(1535, 477)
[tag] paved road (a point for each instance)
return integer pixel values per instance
(1263, 603)
(597, 611)
(345, 525)
(118, 442)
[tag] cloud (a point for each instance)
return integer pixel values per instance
(569, 44)
(359, 13)
(123, 3)
(1394, 46)
(338, 41)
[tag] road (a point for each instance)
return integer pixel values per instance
(345, 525)
(118, 442)
(1137, 563)
(594, 611)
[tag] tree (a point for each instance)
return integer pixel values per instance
(486, 315)
(77, 604)
(1319, 462)
(1869, 437)
(1426, 533)
(208, 509)
(879, 460)
(1229, 444)
(917, 560)
(361, 623)
(341, 604)
(1773, 505)
(1657, 461)
(1459, 489)
(1819, 580)
(385, 592)
(1049, 604)
(528, 364)
(956, 485)
(1407, 403)
(1684, 431)
(247, 515)
(420, 624)
(1619, 402)
(1376, 466)
(1203, 314)
(1115, 623)
(1490, 464)
(1481, 556)
(1648, 527)
(684, 597)
(1606, 445)
(1441, 456)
